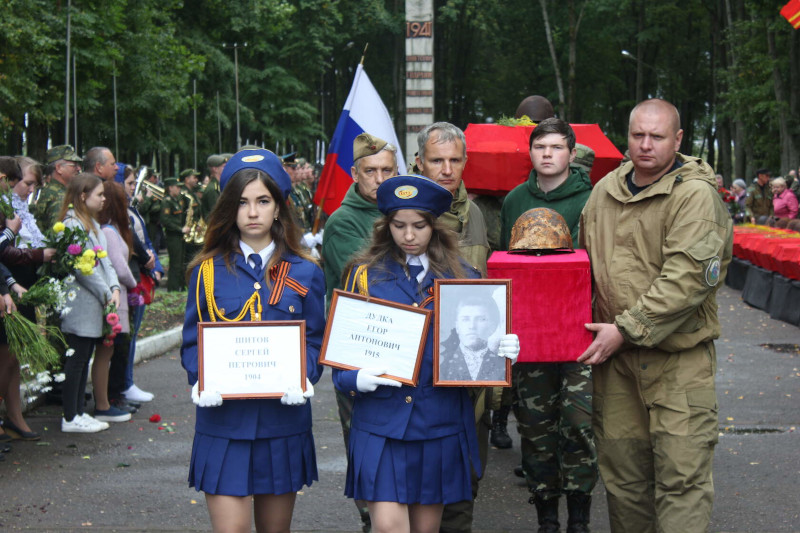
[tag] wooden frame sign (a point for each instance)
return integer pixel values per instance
(251, 359)
(471, 317)
(365, 332)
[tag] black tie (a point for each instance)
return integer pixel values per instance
(256, 260)
(414, 270)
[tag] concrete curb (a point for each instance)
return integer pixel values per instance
(146, 348)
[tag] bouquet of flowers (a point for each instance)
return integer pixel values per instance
(730, 201)
(49, 293)
(524, 120)
(71, 252)
(30, 343)
(111, 326)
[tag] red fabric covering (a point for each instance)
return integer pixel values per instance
(498, 159)
(551, 300)
(785, 255)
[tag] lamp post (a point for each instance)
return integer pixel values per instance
(640, 75)
(236, 47)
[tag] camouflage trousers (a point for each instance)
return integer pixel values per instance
(553, 408)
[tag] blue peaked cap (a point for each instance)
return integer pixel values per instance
(413, 192)
(262, 160)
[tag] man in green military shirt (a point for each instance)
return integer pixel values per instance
(215, 164)
(195, 223)
(173, 219)
(62, 164)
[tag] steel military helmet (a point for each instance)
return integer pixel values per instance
(540, 230)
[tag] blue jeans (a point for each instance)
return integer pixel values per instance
(137, 315)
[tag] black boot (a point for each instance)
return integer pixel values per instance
(578, 506)
(546, 512)
(499, 434)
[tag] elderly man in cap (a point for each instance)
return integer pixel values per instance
(349, 228)
(215, 164)
(62, 164)
(442, 157)
(100, 162)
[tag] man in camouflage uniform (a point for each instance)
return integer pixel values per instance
(553, 400)
(758, 203)
(62, 164)
(301, 198)
(173, 220)
(190, 178)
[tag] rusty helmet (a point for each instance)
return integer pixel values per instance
(540, 229)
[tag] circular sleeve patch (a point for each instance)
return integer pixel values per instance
(712, 271)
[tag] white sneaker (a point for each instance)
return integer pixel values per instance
(93, 422)
(78, 425)
(135, 394)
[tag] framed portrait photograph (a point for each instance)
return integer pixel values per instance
(471, 318)
(366, 332)
(251, 359)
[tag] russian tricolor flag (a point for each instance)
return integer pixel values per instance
(363, 112)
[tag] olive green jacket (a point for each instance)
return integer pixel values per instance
(466, 219)
(659, 257)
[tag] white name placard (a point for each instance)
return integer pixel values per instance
(251, 359)
(365, 332)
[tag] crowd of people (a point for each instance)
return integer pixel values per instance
(768, 200)
(638, 407)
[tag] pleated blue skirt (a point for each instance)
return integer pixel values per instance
(246, 467)
(425, 472)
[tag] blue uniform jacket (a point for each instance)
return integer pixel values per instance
(256, 419)
(410, 413)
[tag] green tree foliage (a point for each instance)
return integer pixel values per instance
(732, 67)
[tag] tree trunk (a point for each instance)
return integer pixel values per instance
(780, 97)
(794, 97)
(574, 27)
(561, 104)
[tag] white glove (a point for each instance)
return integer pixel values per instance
(367, 380)
(318, 237)
(205, 398)
(310, 240)
(295, 396)
(509, 347)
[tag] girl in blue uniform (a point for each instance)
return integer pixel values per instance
(252, 267)
(411, 448)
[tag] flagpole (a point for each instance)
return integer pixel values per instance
(363, 54)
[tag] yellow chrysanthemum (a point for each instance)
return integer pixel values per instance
(102, 253)
(89, 254)
(58, 227)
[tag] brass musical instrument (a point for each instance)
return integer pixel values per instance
(197, 230)
(155, 190)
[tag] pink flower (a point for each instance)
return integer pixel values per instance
(108, 342)
(112, 319)
(97, 249)
(117, 328)
(74, 249)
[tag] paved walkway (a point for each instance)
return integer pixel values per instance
(132, 478)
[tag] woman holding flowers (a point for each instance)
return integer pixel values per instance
(250, 457)
(95, 287)
(22, 260)
(114, 220)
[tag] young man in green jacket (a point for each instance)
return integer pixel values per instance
(348, 229)
(553, 403)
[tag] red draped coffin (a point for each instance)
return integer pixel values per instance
(551, 302)
(498, 158)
